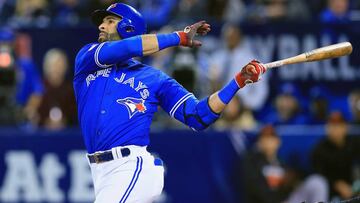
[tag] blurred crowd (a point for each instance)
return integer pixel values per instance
(333, 175)
(31, 96)
(70, 13)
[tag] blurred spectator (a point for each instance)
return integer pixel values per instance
(185, 68)
(10, 113)
(278, 10)
(69, 12)
(57, 109)
(319, 105)
(156, 13)
(316, 7)
(226, 10)
(234, 11)
(236, 117)
(228, 60)
(337, 11)
(287, 107)
(20, 82)
(186, 77)
(29, 89)
(210, 44)
(216, 9)
(354, 103)
(263, 172)
(31, 13)
(7, 9)
(266, 179)
(335, 156)
(189, 10)
(93, 5)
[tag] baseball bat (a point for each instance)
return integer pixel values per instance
(327, 52)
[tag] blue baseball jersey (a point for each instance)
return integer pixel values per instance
(116, 103)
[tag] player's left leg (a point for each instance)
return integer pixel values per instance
(150, 182)
(111, 179)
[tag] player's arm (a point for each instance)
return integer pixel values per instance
(200, 114)
(113, 52)
(94, 56)
(249, 74)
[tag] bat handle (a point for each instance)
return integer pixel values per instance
(273, 64)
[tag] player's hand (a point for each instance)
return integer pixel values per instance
(250, 73)
(187, 36)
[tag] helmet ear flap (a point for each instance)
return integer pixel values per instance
(129, 28)
(125, 29)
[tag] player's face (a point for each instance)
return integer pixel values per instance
(108, 30)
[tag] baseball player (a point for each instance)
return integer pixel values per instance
(117, 97)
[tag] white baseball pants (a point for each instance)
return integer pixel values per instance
(134, 178)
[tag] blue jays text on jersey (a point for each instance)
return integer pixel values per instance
(116, 102)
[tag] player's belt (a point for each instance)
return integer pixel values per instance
(100, 157)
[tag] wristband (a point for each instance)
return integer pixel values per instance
(228, 92)
(168, 40)
(183, 38)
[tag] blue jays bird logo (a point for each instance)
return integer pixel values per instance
(133, 105)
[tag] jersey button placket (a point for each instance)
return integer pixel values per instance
(103, 109)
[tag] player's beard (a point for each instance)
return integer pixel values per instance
(108, 37)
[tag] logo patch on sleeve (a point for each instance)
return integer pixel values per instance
(133, 105)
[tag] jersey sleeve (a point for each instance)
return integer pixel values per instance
(94, 56)
(87, 60)
(184, 106)
(172, 95)
(103, 55)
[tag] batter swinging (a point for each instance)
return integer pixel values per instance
(117, 97)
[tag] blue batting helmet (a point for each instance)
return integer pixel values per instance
(132, 22)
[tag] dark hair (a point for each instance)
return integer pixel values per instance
(267, 130)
